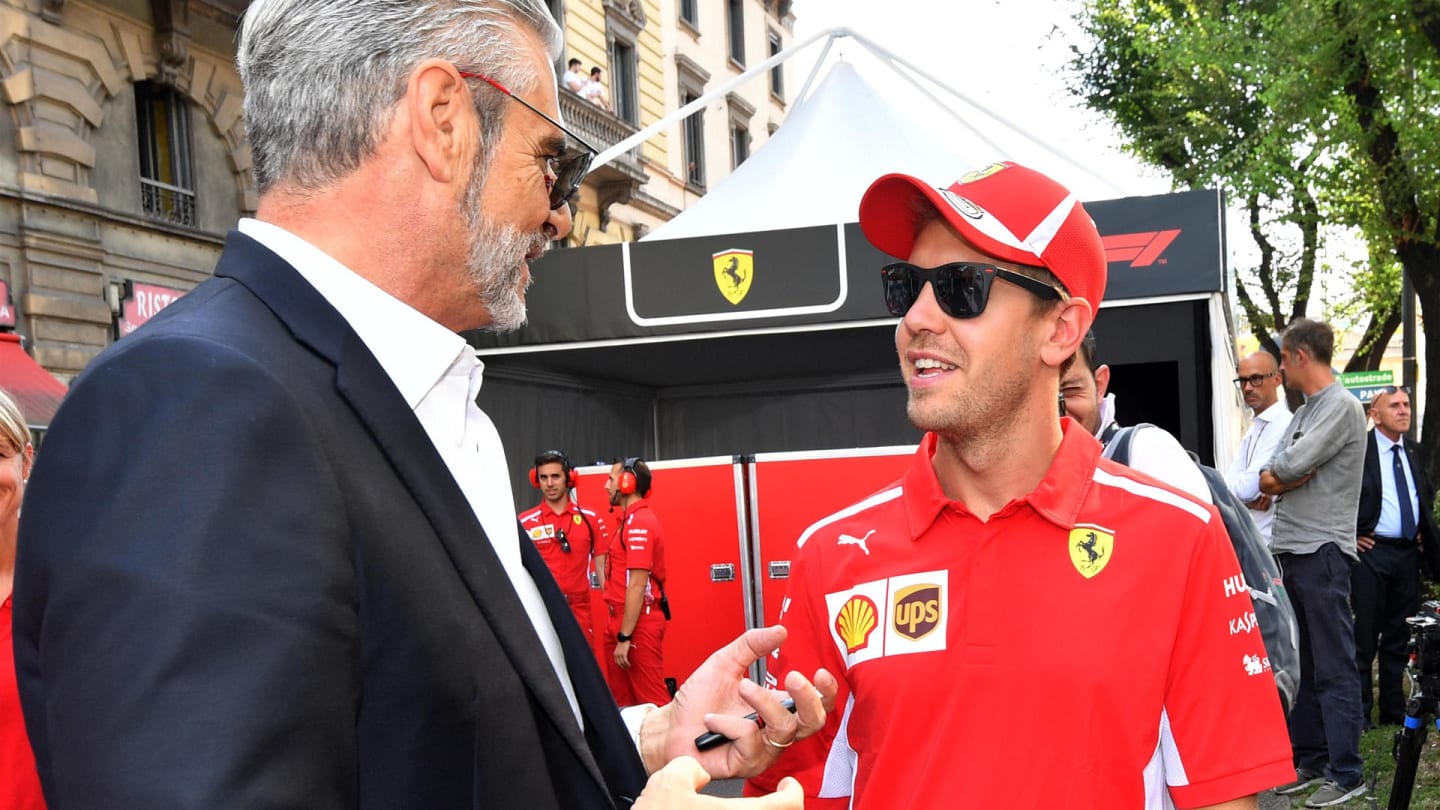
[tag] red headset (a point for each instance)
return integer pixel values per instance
(551, 457)
(631, 478)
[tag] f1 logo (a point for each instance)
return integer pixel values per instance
(1140, 249)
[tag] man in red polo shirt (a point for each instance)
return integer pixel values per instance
(565, 534)
(1018, 622)
(635, 591)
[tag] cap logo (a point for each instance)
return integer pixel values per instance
(982, 172)
(964, 206)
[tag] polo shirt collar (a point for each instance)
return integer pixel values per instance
(1057, 498)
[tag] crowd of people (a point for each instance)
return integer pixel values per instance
(338, 607)
(590, 87)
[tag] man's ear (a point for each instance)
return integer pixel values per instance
(1102, 381)
(1067, 325)
(438, 115)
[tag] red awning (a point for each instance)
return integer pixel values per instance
(34, 389)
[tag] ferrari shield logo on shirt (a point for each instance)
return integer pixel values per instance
(887, 617)
(1090, 549)
(578, 520)
(734, 270)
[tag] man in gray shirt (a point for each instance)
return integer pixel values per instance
(1315, 477)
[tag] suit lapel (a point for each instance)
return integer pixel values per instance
(361, 380)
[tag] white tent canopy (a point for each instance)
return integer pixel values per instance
(814, 169)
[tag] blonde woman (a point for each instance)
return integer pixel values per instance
(19, 785)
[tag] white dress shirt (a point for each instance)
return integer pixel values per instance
(437, 373)
(1388, 525)
(1256, 450)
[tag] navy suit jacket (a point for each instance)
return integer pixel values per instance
(247, 579)
(1371, 493)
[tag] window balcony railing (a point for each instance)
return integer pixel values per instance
(602, 129)
(167, 203)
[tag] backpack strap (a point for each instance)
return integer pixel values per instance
(1117, 441)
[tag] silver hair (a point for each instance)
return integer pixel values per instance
(322, 77)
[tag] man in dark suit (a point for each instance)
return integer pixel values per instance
(1396, 535)
(270, 554)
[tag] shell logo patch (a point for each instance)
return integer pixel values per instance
(1090, 549)
(857, 620)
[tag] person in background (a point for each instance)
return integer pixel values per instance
(1396, 538)
(1153, 450)
(594, 89)
(575, 80)
(567, 536)
(19, 783)
(1259, 382)
(1315, 478)
(635, 593)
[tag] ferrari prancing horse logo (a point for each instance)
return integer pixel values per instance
(734, 270)
(1090, 549)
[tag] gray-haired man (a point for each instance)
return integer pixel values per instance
(334, 607)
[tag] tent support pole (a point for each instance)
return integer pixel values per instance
(710, 95)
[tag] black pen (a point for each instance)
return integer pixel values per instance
(714, 739)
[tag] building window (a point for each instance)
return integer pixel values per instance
(694, 141)
(167, 171)
(624, 82)
(741, 111)
(777, 73)
(739, 144)
(735, 18)
(690, 13)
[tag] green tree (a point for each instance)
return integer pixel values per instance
(1314, 115)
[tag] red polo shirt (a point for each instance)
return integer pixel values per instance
(1091, 645)
(637, 543)
(544, 526)
(19, 783)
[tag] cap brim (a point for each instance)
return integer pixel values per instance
(888, 212)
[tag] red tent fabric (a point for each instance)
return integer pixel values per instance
(34, 389)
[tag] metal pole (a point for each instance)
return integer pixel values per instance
(718, 92)
(1408, 369)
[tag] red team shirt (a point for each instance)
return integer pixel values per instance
(637, 543)
(1091, 645)
(571, 571)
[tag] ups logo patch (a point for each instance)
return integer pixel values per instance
(917, 610)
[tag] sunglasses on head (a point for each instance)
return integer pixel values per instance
(962, 289)
(568, 168)
(1394, 389)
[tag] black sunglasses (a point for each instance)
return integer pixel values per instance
(1253, 380)
(961, 288)
(1391, 389)
(568, 167)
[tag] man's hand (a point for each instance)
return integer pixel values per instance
(1364, 542)
(719, 695)
(677, 785)
(622, 654)
(1260, 504)
(1270, 484)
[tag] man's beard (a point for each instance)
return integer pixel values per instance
(496, 260)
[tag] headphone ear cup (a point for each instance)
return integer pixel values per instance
(626, 484)
(573, 478)
(534, 478)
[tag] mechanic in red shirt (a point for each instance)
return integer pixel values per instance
(569, 538)
(635, 591)
(1018, 622)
